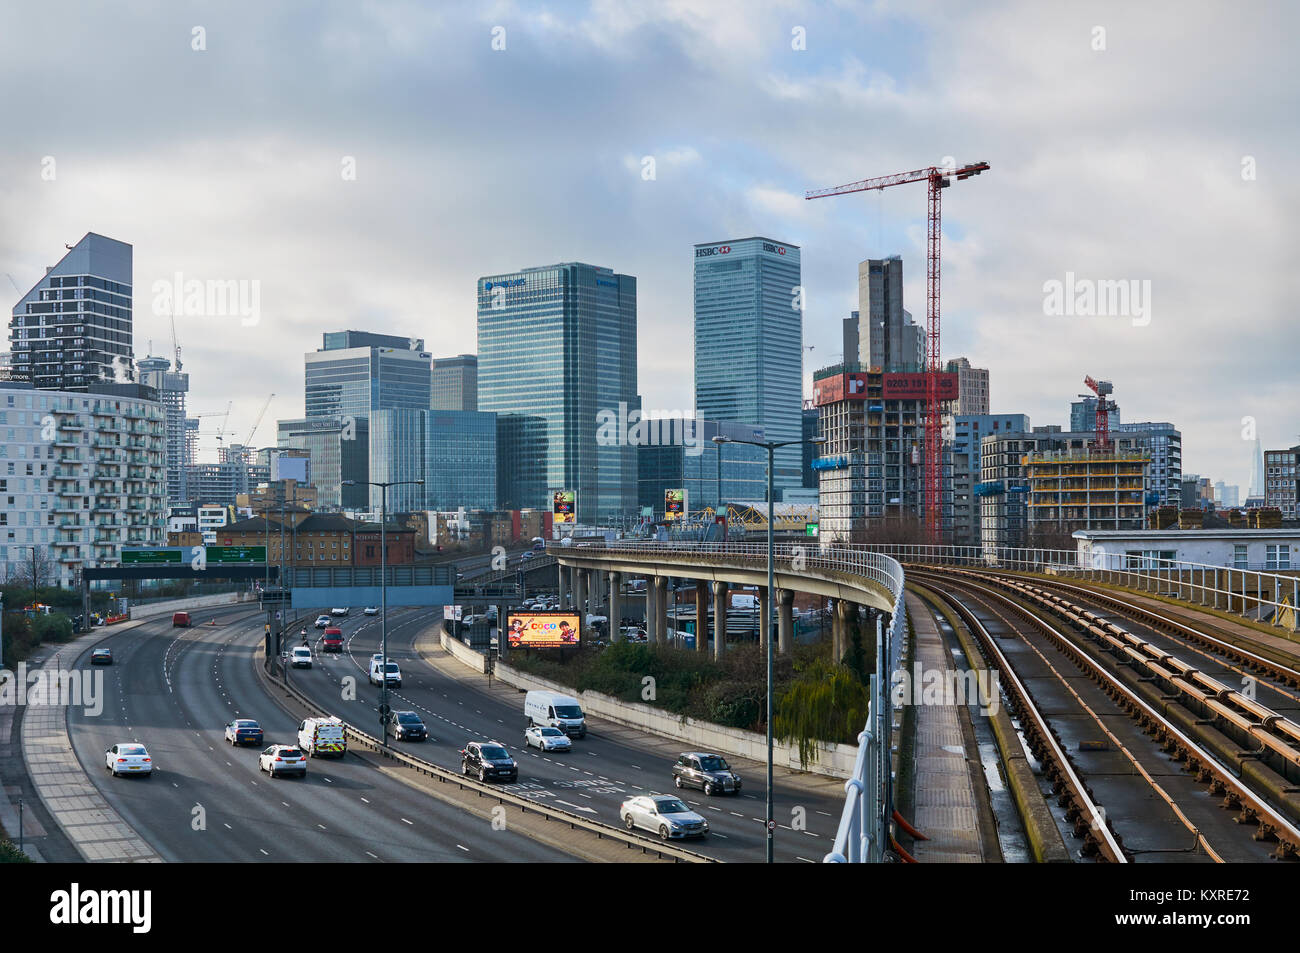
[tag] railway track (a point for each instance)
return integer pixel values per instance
(1120, 760)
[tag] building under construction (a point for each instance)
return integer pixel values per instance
(1088, 488)
(1040, 485)
(870, 472)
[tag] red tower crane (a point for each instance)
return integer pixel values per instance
(1102, 389)
(937, 180)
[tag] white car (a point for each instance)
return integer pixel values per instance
(371, 610)
(282, 759)
(300, 657)
(338, 612)
(131, 758)
(322, 621)
(662, 814)
(547, 739)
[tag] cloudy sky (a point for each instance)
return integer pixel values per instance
(1142, 143)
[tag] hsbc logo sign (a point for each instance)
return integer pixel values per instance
(709, 252)
(768, 246)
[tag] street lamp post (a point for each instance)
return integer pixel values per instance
(771, 447)
(383, 593)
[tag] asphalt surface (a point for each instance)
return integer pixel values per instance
(175, 689)
(593, 779)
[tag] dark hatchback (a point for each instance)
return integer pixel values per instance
(407, 726)
(489, 761)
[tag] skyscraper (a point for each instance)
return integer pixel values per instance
(887, 338)
(357, 372)
(455, 383)
(352, 377)
(172, 387)
(557, 344)
(749, 342)
(74, 327)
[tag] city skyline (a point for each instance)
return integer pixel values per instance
(280, 180)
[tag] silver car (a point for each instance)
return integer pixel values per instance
(662, 814)
(547, 739)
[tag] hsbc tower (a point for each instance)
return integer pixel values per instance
(749, 342)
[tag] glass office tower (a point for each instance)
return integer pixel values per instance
(749, 342)
(558, 344)
(355, 375)
(74, 327)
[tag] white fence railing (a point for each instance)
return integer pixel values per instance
(863, 833)
(1260, 595)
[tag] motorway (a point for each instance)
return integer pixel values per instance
(594, 778)
(175, 689)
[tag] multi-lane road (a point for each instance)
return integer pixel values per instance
(175, 689)
(600, 772)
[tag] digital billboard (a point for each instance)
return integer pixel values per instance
(674, 504)
(563, 507)
(541, 630)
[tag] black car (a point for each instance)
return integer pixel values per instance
(407, 726)
(708, 772)
(489, 760)
(101, 657)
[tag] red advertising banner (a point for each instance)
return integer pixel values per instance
(912, 386)
(851, 386)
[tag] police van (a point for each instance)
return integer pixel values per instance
(322, 736)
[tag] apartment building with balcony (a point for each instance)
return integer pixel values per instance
(82, 474)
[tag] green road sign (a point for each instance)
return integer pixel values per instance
(810, 529)
(236, 554)
(149, 556)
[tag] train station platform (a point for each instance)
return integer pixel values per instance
(946, 808)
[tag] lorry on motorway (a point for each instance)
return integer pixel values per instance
(322, 736)
(554, 710)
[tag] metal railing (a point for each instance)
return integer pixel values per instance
(1258, 595)
(863, 833)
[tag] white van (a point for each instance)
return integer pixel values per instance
(377, 676)
(553, 710)
(322, 736)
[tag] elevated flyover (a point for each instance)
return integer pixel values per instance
(850, 577)
(591, 576)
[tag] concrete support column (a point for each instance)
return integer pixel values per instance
(561, 584)
(764, 618)
(701, 616)
(615, 606)
(785, 621)
(597, 590)
(580, 596)
(651, 612)
(719, 620)
(660, 584)
(844, 611)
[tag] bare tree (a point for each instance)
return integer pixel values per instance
(36, 568)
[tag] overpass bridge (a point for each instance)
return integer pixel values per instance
(849, 577)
